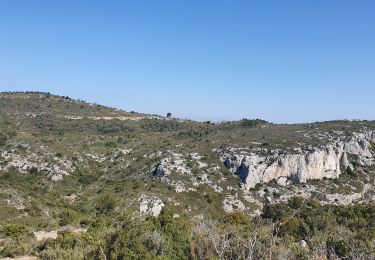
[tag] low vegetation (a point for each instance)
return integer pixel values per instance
(85, 171)
(297, 229)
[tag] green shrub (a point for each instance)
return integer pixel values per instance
(3, 139)
(237, 218)
(176, 233)
(338, 247)
(16, 230)
(105, 203)
(67, 216)
(252, 122)
(372, 146)
(68, 246)
(275, 211)
(296, 202)
(292, 226)
(16, 248)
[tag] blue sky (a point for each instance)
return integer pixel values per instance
(284, 61)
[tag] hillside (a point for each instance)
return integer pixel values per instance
(161, 187)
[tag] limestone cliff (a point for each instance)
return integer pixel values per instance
(327, 161)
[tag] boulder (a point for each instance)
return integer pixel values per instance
(150, 206)
(282, 181)
(302, 243)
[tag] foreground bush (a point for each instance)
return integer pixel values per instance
(297, 229)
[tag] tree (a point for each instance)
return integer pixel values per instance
(169, 114)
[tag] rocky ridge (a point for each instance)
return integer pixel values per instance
(256, 166)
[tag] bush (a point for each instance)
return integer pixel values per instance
(296, 202)
(68, 246)
(237, 218)
(275, 211)
(15, 230)
(106, 203)
(16, 248)
(67, 216)
(3, 140)
(292, 226)
(252, 122)
(176, 233)
(338, 247)
(162, 126)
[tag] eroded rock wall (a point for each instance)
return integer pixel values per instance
(328, 161)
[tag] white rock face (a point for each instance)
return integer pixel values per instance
(322, 162)
(150, 206)
(232, 203)
(282, 181)
(192, 166)
(173, 162)
(43, 235)
(55, 167)
(359, 144)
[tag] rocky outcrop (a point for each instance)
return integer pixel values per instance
(173, 162)
(231, 204)
(43, 235)
(31, 162)
(327, 161)
(150, 206)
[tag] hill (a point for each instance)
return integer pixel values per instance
(104, 183)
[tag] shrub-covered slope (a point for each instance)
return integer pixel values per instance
(101, 182)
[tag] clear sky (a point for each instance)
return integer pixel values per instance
(283, 61)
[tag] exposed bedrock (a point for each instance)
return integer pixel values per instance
(327, 161)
